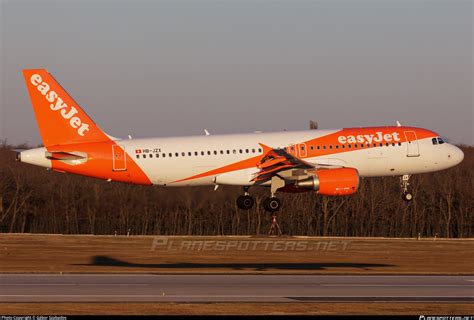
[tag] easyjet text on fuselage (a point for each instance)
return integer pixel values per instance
(370, 138)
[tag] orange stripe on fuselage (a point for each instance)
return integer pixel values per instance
(328, 140)
(100, 163)
(244, 164)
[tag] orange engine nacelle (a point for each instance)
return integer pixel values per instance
(332, 182)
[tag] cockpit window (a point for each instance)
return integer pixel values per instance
(438, 140)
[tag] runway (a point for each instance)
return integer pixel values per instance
(232, 288)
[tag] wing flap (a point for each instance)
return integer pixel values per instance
(276, 161)
(272, 162)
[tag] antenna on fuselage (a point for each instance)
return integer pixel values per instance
(207, 132)
(313, 125)
(399, 124)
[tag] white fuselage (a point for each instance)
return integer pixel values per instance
(183, 162)
(233, 159)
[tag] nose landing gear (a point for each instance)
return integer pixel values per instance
(406, 193)
(407, 196)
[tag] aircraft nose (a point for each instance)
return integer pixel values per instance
(456, 155)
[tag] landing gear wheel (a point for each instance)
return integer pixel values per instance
(245, 202)
(407, 196)
(271, 204)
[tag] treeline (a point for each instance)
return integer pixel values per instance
(35, 200)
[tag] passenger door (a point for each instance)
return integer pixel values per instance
(413, 149)
(119, 158)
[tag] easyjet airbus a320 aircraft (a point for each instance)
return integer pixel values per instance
(328, 162)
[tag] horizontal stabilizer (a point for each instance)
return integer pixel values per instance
(59, 155)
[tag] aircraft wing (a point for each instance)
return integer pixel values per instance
(278, 160)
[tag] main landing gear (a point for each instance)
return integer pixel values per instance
(406, 194)
(271, 204)
(246, 202)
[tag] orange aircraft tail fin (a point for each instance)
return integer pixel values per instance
(60, 119)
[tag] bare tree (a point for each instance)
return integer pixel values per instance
(35, 200)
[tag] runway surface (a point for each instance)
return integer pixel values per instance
(232, 288)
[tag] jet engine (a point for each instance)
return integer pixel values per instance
(331, 182)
